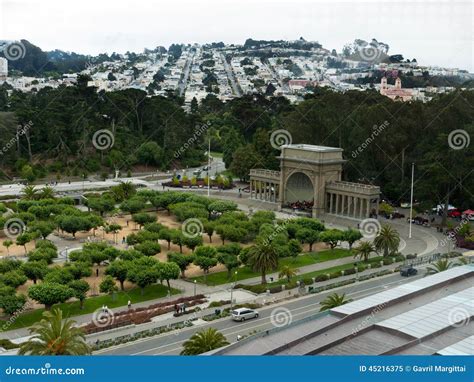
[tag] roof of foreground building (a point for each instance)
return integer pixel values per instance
(432, 315)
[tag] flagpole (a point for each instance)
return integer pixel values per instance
(209, 169)
(411, 197)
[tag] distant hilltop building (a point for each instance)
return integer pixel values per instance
(395, 92)
(3, 69)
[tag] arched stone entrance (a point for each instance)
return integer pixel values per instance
(298, 189)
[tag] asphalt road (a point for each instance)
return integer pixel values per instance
(171, 343)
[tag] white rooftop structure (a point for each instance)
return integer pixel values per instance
(428, 319)
(402, 291)
(464, 347)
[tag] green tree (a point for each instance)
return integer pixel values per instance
(143, 218)
(204, 341)
(148, 248)
(80, 288)
(13, 278)
(35, 270)
(44, 228)
(181, 260)
(192, 242)
(331, 237)
(244, 159)
(24, 239)
(333, 301)
(230, 261)
(118, 269)
(363, 250)
(205, 263)
(387, 240)
(178, 238)
(11, 302)
(439, 266)
(263, 258)
(144, 271)
(168, 271)
(288, 272)
(351, 236)
(107, 285)
(50, 293)
(167, 235)
(308, 236)
(55, 335)
(7, 244)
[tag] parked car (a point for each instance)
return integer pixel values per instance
(454, 214)
(408, 271)
(243, 314)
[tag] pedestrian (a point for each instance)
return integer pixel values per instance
(129, 304)
(97, 272)
(127, 223)
(176, 309)
(123, 240)
(184, 307)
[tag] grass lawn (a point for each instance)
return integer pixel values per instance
(215, 154)
(71, 309)
(328, 270)
(243, 273)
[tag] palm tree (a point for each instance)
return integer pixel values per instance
(262, 258)
(334, 300)
(29, 192)
(53, 336)
(204, 341)
(440, 266)
(47, 193)
(387, 240)
(363, 250)
(287, 272)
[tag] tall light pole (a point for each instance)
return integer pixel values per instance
(209, 169)
(195, 281)
(232, 286)
(411, 197)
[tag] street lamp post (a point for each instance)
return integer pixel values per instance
(66, 249)
(411, 197)
(195, 282)
(232, 286)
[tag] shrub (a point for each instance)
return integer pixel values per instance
(320, 278)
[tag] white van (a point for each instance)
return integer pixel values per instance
(243, 314)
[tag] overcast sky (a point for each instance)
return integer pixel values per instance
(435, 32)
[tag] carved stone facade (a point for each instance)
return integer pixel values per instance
(311, 175)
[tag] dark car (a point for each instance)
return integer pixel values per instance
(408, 271)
